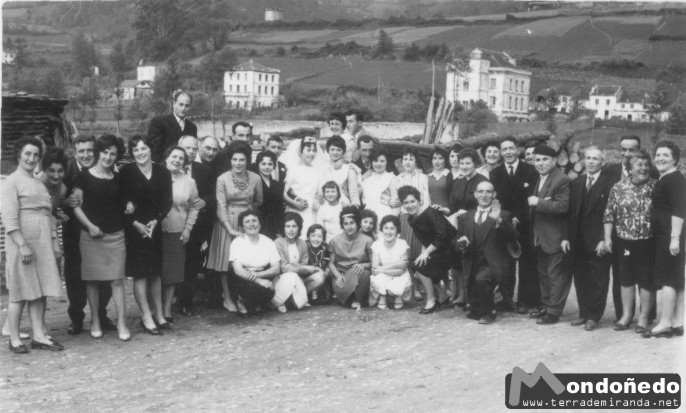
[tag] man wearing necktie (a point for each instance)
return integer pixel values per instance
(165, 131)
(202, 230)
(589, 195)
(486, 232)
(513, 180)
(549, 206)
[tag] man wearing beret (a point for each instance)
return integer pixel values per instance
(548, 208)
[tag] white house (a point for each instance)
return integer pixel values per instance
(494, 78)
(250, 85)
(565, 94)
(612, 101)
(273, 14)
(134, 88)
(148, 71)
(8, 56)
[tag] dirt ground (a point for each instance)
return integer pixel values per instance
(324, 359)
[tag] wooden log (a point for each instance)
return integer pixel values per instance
(562, 158)
(574, 157)
(429, 120)
(438, 117)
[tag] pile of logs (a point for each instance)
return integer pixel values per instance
(438, 120)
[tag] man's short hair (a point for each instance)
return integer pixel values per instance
(595, 148)
(275, 138)
(180, 92)
(357, 113)
(509, 139)
(366, 139)
(184, 137)
(631, 138)
(204, 138)
(240, 123)
(84, 139)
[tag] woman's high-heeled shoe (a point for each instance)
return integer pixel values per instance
(20, 349)
(433, 309)
(152, 331)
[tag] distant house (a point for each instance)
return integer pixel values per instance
(566, 95)
(148, 71)
(8, 57)
(134, 88)
(494, 78)
(251, 85)
(612, 101)
(273, 15)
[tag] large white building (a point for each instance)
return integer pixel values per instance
(148, 71)
(494, 78)
(611, 101)
(251, 85)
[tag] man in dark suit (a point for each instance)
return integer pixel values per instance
(165, 131)
(588, 199)
(242, 133)
(275, 145)
(486, 261)
(208, 147)
(84, 151)
(512, 180)
(202, 230)
(549, 206)
(628, 145)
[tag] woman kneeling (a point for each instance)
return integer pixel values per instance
(389, 265)
(294, 255)
(256, 267)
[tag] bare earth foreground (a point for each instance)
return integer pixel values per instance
(324, 359)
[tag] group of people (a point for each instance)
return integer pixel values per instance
(295, 226)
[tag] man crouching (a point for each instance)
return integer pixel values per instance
(484, 233)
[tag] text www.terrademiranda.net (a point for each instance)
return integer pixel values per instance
(591, 402)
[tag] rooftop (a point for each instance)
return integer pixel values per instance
(604, 90)
(254, 67)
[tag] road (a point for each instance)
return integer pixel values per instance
(326, 358)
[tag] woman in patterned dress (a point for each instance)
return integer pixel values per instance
(237, 190)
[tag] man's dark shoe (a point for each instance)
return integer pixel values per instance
(547, 319)
(75, 328)
(473, 315)
(591, 325)
(487, 319)
(107, 324)
(538, 313)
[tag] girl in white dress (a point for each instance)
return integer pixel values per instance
(376, 187)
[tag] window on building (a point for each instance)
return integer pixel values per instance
(260, 77)
(628, 117)
(607, 102)
(516, 85)
(516, 104)
(509, 103)
(492, 84)
(597, 102)
(492, 101)
(465, 85)
(245, 88)
(230, 88)
(259, 90)
(623, 105)
(523, 89)
(272, 91)
(632, 106)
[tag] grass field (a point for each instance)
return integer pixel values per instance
(556, 27)
(673, 26)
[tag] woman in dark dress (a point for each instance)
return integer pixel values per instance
(147, 189)
(272, 207)
(102, 241)
(440, 181)
(667, 221)
(436, 234)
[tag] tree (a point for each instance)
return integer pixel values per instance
(118, 106)
(475, 119)
(676, 124)
(412, 53)
(136, 111)
(83, 55)
(53, 84)
(160, 28)
(118, 61)
(280, 51)
(166, 82)
(384, 47)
